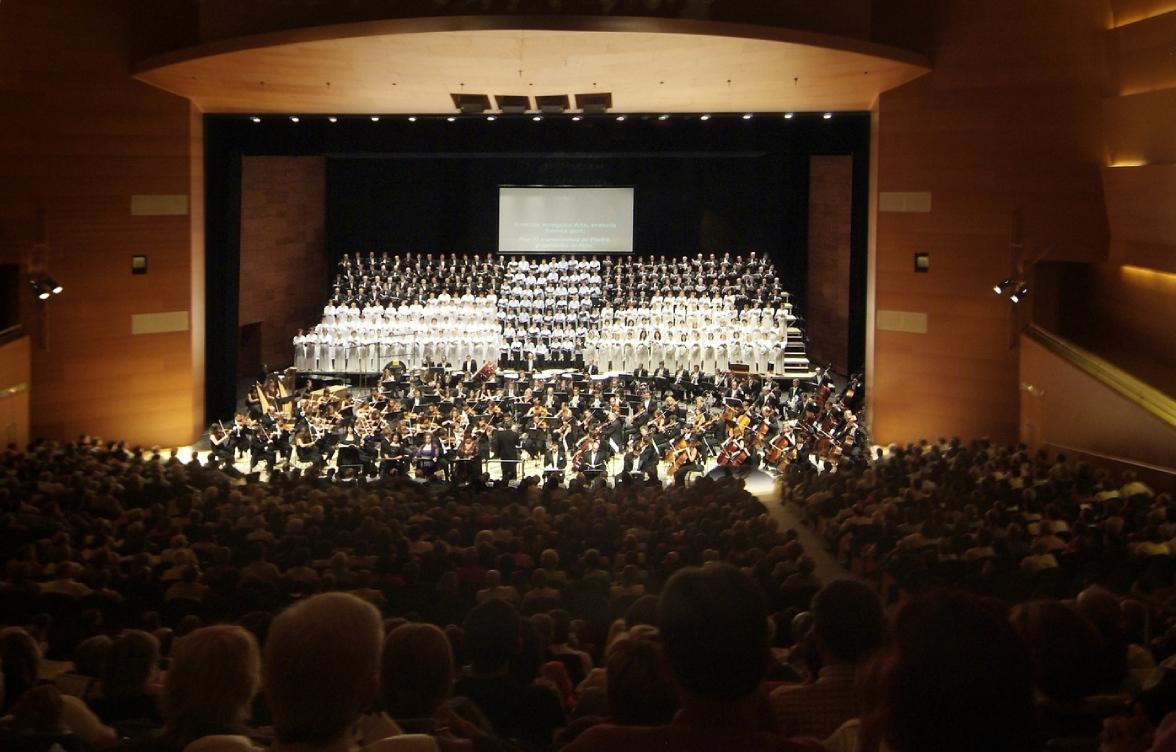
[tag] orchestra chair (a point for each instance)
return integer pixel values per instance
(348, 462)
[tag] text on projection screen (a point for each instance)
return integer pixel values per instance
(565, 220)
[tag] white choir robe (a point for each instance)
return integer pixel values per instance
(708, 358)
(695, 355)
(628, 358)
(643, 355)
(334, 355)
(721, 360)
(778, 355)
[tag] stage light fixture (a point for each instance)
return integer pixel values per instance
(53, 285)
(704, 117)
(747, 116)
(1000, 288)
(537, 118)
(294, 119)
(663, 117)
(513, 104)
(1021, 293)
(471, 104)
(43, 286)
(596, 103)
(828, 116)
(620, 118)
(451, 118)
(376, 118)
(332, 119)
(576, 118)
(553, 104)
(789, 115)
(255, 119)
(490, 118)
(412, 118)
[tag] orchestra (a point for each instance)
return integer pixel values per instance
(433, 422)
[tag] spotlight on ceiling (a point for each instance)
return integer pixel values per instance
(828, 116)
(294, 119)
(512, 104)
(553, 104)
(537, 118)
(576, 118)
(704, 117)
(451, 118)
(255, 119)
(663, 117)
(620, 118)
(332, 119)
(411, 118)
(53, 285)
(376, 118)
(491, 118)
(596, 103)
(471, 104)
(1020, 294)
(789, 115)
(1000, 288)
(747, 116)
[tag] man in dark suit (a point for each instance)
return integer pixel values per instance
(641, 373)
(506, 448)
(470, 365)
(661, 372)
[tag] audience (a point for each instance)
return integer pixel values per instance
(655, 618)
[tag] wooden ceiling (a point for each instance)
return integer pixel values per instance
(649, 65)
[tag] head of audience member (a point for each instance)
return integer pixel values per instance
(214, 675)
(1064, 648)
(416, 671)
(492, 636)
(641, 691)
(955, 676)
(1102, 608)
(714, 626)
(20, 664)
(131, 665)
(848, 623)
(320, 668)
(91, 655)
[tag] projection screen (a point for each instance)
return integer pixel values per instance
(565, 220)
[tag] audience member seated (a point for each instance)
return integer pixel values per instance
(848, 626)
(214, 675)
(713, 623)
(517, 710)
(30, 706)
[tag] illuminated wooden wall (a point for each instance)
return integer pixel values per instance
(95, 167)
(1002, 141)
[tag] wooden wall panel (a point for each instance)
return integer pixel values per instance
(283, 250)
(1139, 128)
(1139, 205)
(1005, 134)
(15, 392)
(1140, 55)
(1126, 12)
(827, 296)
(78, 139)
